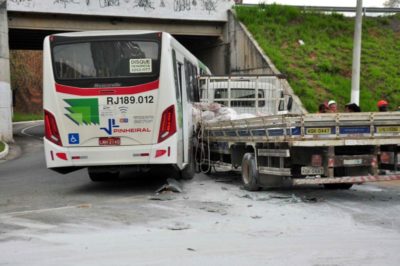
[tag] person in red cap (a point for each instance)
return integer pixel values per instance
(382, 106)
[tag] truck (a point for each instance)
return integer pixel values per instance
(284, 147)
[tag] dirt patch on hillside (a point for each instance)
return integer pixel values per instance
(26, 80)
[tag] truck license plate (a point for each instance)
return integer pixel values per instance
(352, 162)
(318, 131)
(109, 141)
(389, 129)
(308, 170)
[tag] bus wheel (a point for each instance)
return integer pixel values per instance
(338, 186)
(249, 172)
(101, 175)
(188, 172)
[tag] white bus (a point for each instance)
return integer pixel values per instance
(118, 98)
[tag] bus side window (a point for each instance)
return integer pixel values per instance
(178, 81)
(189, 88)
(192, 83)
(180, 77)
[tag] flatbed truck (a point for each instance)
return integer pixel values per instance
(283, 148)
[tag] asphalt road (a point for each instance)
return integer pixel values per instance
(52, 219)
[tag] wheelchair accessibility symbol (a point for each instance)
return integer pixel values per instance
(73, 138)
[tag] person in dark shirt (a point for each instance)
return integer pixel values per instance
(323, 108)
(352, 108)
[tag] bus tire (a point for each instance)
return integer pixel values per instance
(189, 171)
(338, 186)
(249, 172)
(102, 176)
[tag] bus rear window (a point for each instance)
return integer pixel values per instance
(106, 59)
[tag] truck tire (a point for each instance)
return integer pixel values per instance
(102, 176)
(249, 172)
(338, 186)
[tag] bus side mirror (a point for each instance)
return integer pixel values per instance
(290, 103)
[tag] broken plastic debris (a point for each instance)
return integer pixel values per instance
(172, 185)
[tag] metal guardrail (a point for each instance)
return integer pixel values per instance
(342, 9)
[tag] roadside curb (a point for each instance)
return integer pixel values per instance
(5, 152)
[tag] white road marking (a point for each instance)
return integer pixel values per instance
(83, 206)
(23, 131)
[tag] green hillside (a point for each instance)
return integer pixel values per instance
(1, 146)
(321, 68)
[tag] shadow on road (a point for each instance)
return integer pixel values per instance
(129, 182)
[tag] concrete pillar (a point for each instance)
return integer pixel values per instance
(5, 88)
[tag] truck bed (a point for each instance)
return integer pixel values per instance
(330, 129)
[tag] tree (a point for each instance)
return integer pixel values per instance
(392, 3)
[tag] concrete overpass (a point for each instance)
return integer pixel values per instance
(206, 27)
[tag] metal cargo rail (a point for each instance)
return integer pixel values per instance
(338, 129)
(258, 94)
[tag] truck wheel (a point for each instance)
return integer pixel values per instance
(102, 176)
(338, 186)
(249, 172)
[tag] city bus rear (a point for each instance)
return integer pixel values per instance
(104, 103)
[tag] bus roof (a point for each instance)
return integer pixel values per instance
(104, 33)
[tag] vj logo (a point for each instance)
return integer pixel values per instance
(111, 125)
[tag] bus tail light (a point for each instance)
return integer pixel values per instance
(51, 129)
(160, 153)
(168, 124)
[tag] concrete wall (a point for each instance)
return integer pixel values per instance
(247, 57)
(212, 10)
(5, 89)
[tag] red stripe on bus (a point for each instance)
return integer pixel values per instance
(107, 91)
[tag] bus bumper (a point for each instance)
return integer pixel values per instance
(161, 153)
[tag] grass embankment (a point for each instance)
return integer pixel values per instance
(2, 146)
(18, 117)
(321, 69)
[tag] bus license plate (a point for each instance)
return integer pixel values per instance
(308, 170)
(352, 162)
(109, 141)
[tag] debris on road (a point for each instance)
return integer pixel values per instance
(191, 249)
(172, 185)
(256, 217)
(179, 226)
(162, 197)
